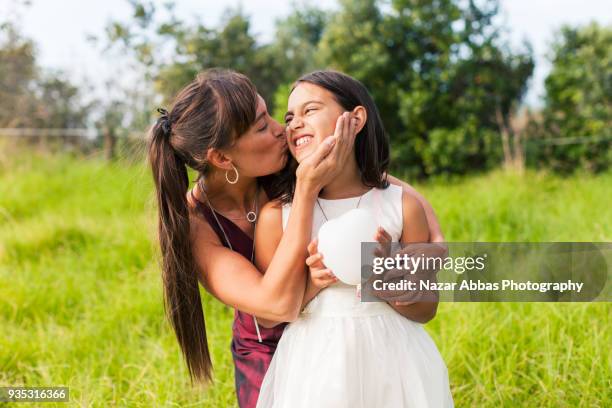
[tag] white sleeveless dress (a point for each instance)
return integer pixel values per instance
(344, 353)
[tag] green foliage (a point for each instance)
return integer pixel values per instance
(579, 100)
(460, 150)
(172, 51)
(280, 102)
(446, 83)
(294, 51)
(438, 72)
(232, 45)
(81, 301)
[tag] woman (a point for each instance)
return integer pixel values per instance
(219, 126)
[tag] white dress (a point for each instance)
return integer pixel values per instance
(341, 352)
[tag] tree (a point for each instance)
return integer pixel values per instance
(578, 103)
(446, 84)
(109, 124)
(490, 85)
(17, 74)
(60, 103)
(31, 97)
(440, 74)
(294, 51)
(172, 51)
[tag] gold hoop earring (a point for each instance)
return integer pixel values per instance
(227, 178)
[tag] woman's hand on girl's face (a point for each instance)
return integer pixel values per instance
(345, 134)
(320, 276)
(320, 168)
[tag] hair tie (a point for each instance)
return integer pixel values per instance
(164, 120)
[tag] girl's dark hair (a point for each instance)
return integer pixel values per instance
(210, 112)
(371, 144)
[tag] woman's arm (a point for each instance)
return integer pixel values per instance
(277, 294)
(268, 236)
(415, 229)
(319, 277)
(435, 232)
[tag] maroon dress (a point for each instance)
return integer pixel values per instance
(251, 358)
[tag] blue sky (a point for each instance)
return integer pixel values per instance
(60, 27)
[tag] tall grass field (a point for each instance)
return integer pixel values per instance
(81, 297)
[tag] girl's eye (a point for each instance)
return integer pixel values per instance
(264, 127)
(288, 120)
(309, 110)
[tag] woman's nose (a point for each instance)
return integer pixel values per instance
(279, 130)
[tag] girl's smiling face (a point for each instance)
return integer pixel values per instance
(311, 116)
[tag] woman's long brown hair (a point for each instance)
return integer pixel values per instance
(211, 112)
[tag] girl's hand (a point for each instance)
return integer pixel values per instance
(384, 239)
(321, 167)
(320, 276)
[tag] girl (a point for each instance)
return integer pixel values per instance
(341, 352)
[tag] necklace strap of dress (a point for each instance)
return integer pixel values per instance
(325, 215)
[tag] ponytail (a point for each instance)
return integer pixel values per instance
(210, 112)
(179, 272)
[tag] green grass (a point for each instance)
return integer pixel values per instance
(80, 292)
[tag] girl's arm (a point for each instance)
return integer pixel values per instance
(415, 229)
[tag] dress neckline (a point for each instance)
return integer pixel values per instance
(203, 207)
(347, 198)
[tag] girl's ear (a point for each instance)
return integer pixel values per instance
(361, 115)
(218, 159)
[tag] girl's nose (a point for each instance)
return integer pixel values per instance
(295, 123)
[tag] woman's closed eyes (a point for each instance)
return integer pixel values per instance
(262, 129)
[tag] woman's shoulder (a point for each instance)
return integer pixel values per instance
(272, 205)
(411, 206)
(416, 228)
(201, 229)
(197, 209)
(192, 202)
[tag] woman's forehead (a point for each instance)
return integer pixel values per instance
(261, 105)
